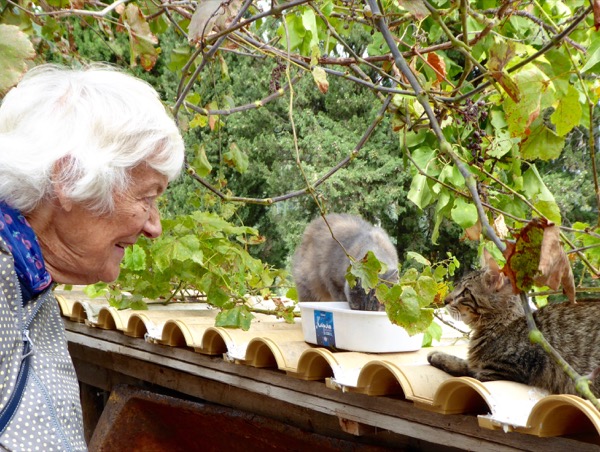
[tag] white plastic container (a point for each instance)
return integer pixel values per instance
(334, 324)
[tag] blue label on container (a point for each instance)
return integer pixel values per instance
(324, 328)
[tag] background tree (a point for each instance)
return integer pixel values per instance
(440, 120)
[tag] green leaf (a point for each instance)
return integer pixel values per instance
(211, 222)
(424, 159)
(411, 255)
(403, 309)
(419, 192)
(236, 158)
(594, 55)
(367, 269)
(451, 174)
(536, 191)
(199, 121)
(135, 258)
(464, 213)
(201, 164)
(15, 49)
(296, 32)
(426, 290)
(217, 296)
(433, 332)
(95, 290)
(542, 143)
(568, 112)
(177, 249)
(309, 23)
(292, 293)
(237, 317)
(442, 210)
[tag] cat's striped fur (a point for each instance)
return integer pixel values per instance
(499, 346)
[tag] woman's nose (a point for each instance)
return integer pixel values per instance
(152, 227)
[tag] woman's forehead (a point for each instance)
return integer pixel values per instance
(144, 177)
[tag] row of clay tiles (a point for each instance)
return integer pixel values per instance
(272, 343)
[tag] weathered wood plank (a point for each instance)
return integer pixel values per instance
(113, 358)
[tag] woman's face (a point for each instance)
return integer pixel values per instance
(85, 248)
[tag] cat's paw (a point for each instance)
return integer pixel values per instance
(448, 363)
(436, 359)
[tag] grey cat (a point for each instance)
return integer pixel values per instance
(319, 265)
(499, 346)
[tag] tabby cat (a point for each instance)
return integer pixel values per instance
(319, 265)
(499, 346)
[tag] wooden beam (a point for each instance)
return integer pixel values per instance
(110, 355)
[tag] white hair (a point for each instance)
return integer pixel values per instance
(86, 129)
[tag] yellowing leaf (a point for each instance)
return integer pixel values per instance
(320, 77)
(542, 143)
(236, 158)
(500, 54)
(534, 87)
(568, 112)
(142, 41)
(210, 14)
(15, 49)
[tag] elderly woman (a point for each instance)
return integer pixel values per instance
(84, 154)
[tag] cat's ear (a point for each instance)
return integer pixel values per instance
(488, 261)
(494, 274)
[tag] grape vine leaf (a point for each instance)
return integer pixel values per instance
(438, 64)
(320, 78)
(535, 89)
(366, 269)
(15, 48)
(568, 112)
(554, 269)
(538, 258)
(464, 213)
(210, 14)
(416, 7)
(236, 158)
(142, 40)
(500, 54)
(537, 192)
(542, 143)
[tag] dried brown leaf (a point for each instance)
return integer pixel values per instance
(596, 6)
(538, 258)
(211, 14)
(500, 227)
(438, 64)
(473, 232)
(554, 268)
(416, 7)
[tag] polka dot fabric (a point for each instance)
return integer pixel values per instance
(48, 417)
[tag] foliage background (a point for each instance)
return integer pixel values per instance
(512, 87)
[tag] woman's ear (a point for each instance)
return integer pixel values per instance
(59, 184)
